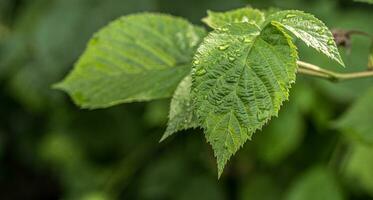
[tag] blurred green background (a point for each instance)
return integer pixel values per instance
(51, 149)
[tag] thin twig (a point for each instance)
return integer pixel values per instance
(314, 70)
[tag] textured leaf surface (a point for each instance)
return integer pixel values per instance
(136, 58)
(357, 121)
(310, 30)
(241, 76)
(220, 19)
(317, 184)
(182, 115)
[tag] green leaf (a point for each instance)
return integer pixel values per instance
(358, 167)
(260, 187)
(365, 1)
(317, 184)
(220, 19)
(370, 57)
(282, 136)
(136, 58)
(310, 30)
(4, 31)
(357, 121)
(241, 76)
(182, 115)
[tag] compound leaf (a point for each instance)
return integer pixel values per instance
(219, 19)
(136, 58)
(182, 115)
(309, 29)
(241, 76)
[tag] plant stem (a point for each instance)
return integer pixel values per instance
(313, 70)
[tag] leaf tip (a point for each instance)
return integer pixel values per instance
(220, 171)
(164, 137)
(340, 61)
(221, 161)
(58, 86)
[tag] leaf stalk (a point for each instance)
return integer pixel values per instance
(314, 70)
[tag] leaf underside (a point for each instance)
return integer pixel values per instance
(241, 76)
(136, 58)
(182, 115)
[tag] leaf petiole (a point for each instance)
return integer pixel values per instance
(314, 70)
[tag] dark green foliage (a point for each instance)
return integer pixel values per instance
(50, 149)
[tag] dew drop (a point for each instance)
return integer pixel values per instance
(230, 58)
(288, 16)
(245, 19)
(223, 47)
(200, 72)
(196, 62)
(247, 40)
(222, 29)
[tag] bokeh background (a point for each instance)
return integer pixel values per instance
(51, 149)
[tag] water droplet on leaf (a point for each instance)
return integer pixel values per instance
(223, 47)
(245, 19)
(288, 16)
(247, 40)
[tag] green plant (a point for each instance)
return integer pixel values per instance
(230, 81)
